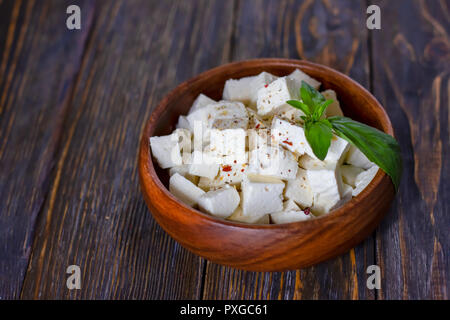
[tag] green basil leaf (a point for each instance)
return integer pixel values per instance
(300, 105)
(315, 97)
(318, 134)
(377, 146)
(321, 108)
(306, 98)
(326, 122)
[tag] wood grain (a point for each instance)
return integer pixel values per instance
(68, 179)
(38, 63)
(95, 216)
(330, 33)
(411, 77)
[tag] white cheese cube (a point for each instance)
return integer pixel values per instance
(261, 195)
(167, 150)
(184, 189)
(357, 158)
(185, 143)
(290, 205)
(346, 196)
(272, 99)
(334, 109)
(258, 139)
(203, 119)
(228, 174)
(183, 123)
(200, 102)
(299, 190)
(291, 213)
(273, 161)
(350, 173)
(239, 217)
(309, 163)
(233, 123)
(220, 203)
(291, 114)
(363, 179)
(228, 146)
(246, 89)
(337, 151)
(184, 171)
(326, 185)
(289, 216)
(210, 113)
(298, 76)
(292, 137)
(255, 121)
(203, 165)
(289, 136)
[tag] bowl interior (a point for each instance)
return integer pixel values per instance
(355, 101)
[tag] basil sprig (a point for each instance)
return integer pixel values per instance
(377, 146)
(317, 131)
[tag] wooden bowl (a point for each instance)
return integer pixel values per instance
(264, 247)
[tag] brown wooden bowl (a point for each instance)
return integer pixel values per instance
(264, 247)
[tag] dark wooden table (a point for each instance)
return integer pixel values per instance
(73, 104)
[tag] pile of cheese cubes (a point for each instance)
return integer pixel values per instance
(246, 159)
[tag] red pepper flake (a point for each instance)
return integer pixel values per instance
(235, 161)
(226, 168)
(266, 86)
(287, 142)
(307, 210)
(257, 126)
(242, 170)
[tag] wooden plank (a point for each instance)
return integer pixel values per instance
(328, 32)
(39, 60)
(95, 216)
(411, 79)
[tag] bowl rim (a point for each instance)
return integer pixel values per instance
(145, 161)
